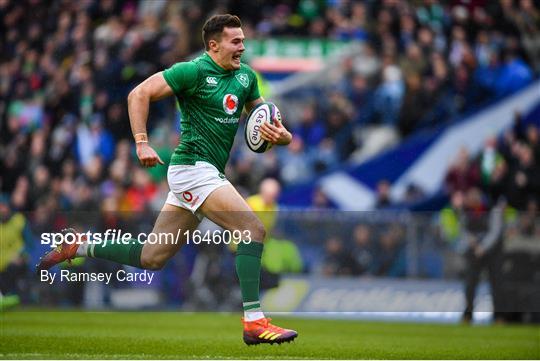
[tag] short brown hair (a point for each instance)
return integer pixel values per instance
(214, 26)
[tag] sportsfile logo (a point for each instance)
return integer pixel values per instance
(118, 236)
(211, 80)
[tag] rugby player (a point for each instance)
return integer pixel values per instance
(212, 90)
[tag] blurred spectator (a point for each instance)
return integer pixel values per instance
(296, 166)
(414, 104)
(363, 249)
(492, 166)
(488, 160)
(383, 194)
(310, 128)
(482, 231)
(462, 174)
(141, 193)
(359, 94)
(337, 260)
(94, 140)
(390, 258)
(325, 156)
(514, 75)
(319, 200)
(524, 180)
(264, 203)
(449, 219)
(527, 225)
(527, 20)
(431, 14)
(15, 242)
(413, 194)
(389, 95)
(533, 139)
(339, 124)
(281, 256)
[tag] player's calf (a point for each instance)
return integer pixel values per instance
(154, 256)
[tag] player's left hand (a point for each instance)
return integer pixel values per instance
(276, 133)
(147, 155)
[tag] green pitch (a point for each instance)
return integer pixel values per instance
(175, 335)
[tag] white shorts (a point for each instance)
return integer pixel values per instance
(190, 185)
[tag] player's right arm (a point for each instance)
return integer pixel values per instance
(153, 88)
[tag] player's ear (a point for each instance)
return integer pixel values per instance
(213, 45)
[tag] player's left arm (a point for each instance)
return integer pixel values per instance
(275, 133)
(252, 104)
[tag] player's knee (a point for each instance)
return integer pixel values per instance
(154, 265)
(153, 262)
(257, 231)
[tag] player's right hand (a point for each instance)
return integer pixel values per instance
(147, 155)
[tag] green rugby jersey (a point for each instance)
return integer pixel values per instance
(211, 100)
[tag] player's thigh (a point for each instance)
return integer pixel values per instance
(168, 235)
(226, 207)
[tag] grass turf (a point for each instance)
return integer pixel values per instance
(171, 335)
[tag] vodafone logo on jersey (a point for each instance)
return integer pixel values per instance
(230, 103)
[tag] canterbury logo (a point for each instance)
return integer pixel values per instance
(269, 335)
(211, 80)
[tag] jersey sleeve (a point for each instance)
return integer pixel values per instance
(182, 77)
(254, 88)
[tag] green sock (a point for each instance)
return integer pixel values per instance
(124, 253)
(248, 268)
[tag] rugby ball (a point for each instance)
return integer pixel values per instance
(260, 114)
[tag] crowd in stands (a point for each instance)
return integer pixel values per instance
(505, 173)
(436, 62)
(371, 251)
(67, 68)
(493, 205)
(506, 168)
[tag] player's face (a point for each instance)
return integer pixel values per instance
(231, 48)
